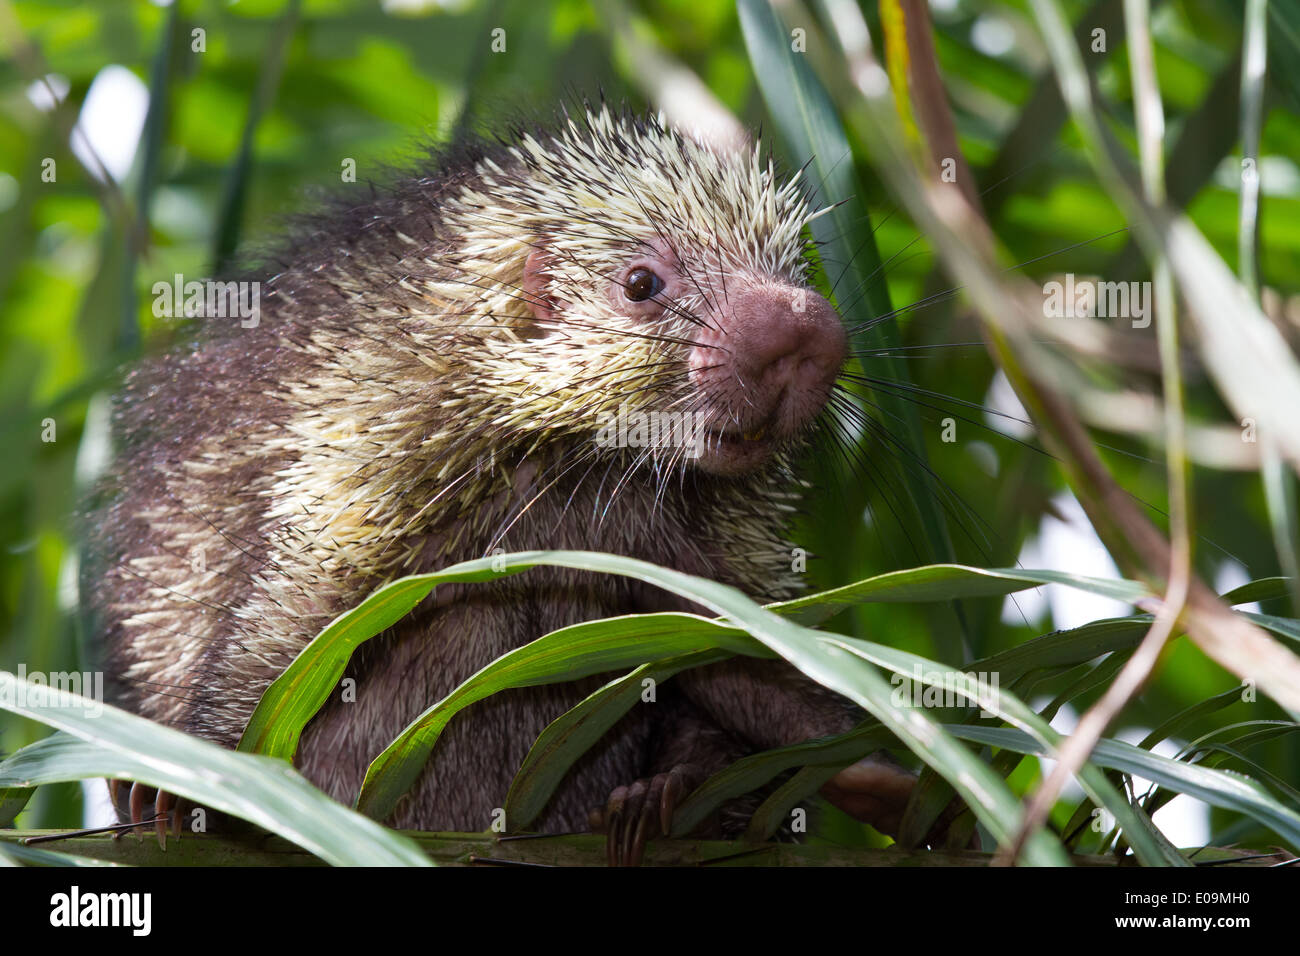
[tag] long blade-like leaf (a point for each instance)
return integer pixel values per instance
(102, 741)
(1216, 787)
(573, 733)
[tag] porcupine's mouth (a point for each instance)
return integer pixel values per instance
(737, 450)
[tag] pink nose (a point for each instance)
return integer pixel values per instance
(781, 336)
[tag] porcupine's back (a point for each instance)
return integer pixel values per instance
(177, 532)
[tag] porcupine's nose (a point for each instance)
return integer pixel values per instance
(786, 338)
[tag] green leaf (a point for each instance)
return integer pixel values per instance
(1216, 787)
(776, 809)
(1006, 705)
(573, 733)
(1282, 626)
(102, 741)
(945, 582)
(15, 854)
(1254, 767)
(1263, 589)
(567, 654)
(12, 801)
(1208, 706)
(597, 647)
(1284, 50)
(1246, 733)
(750, 773)
(1063, 649)
(295, 696)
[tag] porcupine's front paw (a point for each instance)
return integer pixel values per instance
(144, 805)
(641, 811)
(875, 791)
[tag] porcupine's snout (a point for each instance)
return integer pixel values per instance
(765, 371)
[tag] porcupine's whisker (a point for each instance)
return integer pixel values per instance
(598, 513)
(866, 282)
(219, 608)
(679, 469)
(935, 298)
(820, 191)
(242, 578)
(859, 463)
(143, 682)
(825, 443)
(843, 406)
(414, 482)
(909, 392)
(663, 467)
(900, 351)
(613, 460)
(648, 387)
(638, 461)
(580, 454)
(662, 472)
(153, 692)
(179, 632)
(648, 377)
(581, 451)
(231, 538)
(648, 368)
(906, 390)
(856, 294)
(946, 294)
(949, 499)
(893, 209)
(577, 486)
(903, 392)
(850, 418)
(683, 265)
(423, 509)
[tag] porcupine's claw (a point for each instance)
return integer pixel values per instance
(168, 808)
(165, 806)
(641, 811)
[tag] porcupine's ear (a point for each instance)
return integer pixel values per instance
(537, 284)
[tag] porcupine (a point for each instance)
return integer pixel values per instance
(425, 384)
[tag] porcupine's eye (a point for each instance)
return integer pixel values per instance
(642, 284)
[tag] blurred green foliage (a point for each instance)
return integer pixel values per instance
(370, 81)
